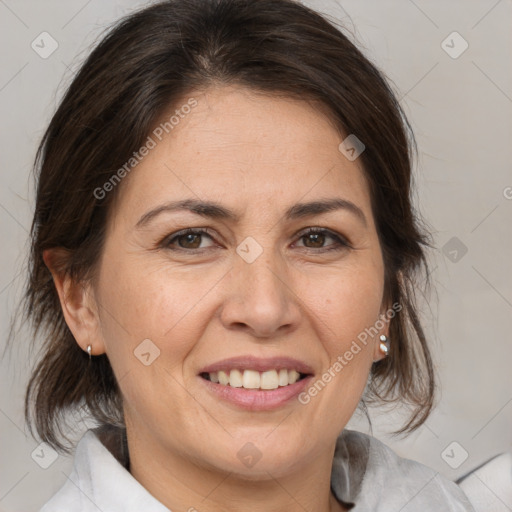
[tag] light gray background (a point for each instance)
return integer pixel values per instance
(460, 109)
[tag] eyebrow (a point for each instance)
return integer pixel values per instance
(212, 210)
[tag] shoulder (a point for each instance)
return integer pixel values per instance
(76, 489)
(489, 485)
(370, 474)
(99, 479)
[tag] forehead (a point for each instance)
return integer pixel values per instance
(247, 150)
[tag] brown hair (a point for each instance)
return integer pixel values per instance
(147, 62)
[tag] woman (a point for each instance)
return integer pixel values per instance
(223, 261)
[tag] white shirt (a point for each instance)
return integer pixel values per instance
(365, 472)
(489, 486)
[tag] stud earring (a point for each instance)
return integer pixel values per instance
(89, 350)
(384, 344)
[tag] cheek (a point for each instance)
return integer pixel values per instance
(140, 302)
(346, 303)
(150, 323)
(345, 311)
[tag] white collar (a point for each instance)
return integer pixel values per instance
(364, 471)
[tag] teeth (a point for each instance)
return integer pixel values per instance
(269, 380)
(235, 379)
(223, 378)
(251, 379)
(293, 376)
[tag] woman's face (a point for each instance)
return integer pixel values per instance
(254, 291)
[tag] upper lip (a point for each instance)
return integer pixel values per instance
(258, 364)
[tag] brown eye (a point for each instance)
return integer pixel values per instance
(193, 239)
(316, 238)
(188, 239)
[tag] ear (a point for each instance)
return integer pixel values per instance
(77, 302)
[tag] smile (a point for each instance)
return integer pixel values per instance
(253, 379)
(255, 383)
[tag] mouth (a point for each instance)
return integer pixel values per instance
(253, 379)
(256, 384)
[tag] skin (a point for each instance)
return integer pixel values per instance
(257, 155)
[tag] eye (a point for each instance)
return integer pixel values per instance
(190, 239)
(317, 236)
(187, 239)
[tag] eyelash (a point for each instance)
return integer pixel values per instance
(340, 242)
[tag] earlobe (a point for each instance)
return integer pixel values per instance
(76, 300)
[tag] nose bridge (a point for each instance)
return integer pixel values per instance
(260, 272)
(264, 274)
(260, 296)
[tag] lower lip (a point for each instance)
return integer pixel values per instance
(254, 399)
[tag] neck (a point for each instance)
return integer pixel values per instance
(184, 485)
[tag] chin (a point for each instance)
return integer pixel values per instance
(252, 460)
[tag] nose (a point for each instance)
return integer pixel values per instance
(261, 300)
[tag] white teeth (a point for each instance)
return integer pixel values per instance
(269, 380)
(223, 378)
(235, 379)
(293, 376)
(252, 379)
